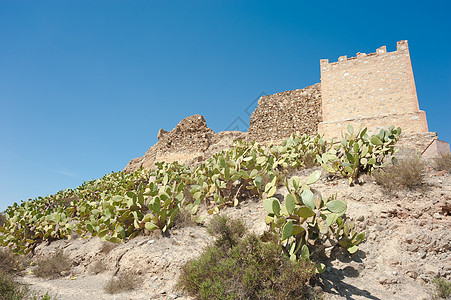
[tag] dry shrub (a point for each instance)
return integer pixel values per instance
(53, 267)
(11, 263)
(97, 267)
(107, 247)
(244, 267)
(184, 219)
(125, 281)
(402, 174)
(443, 162)
(2, 219)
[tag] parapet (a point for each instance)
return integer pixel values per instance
(401, 47)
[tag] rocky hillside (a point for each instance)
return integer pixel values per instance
(190, 140)
(408, 244)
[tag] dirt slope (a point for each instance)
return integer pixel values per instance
(408, 243)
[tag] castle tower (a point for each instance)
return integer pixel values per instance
(373, 90)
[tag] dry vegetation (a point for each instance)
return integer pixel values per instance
(405, 173)
(241, 266)
(443, 162)
(125, 281)
(53, 266)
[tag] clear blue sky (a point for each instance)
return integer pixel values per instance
(85, 85)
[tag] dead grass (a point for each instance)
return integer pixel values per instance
(53, 267)
(443, 162)
(97, 268)
(107, 247)
(406, 173)
(125, 281)
(12, 263)
(184, 219)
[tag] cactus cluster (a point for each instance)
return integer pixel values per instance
(359, 153)
(120, 206)
(306, 220)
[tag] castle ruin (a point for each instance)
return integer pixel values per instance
(370, 90)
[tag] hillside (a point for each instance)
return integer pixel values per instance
(150, 223)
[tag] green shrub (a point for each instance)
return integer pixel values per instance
(442, 288)
(227, 231)
(10, 289)
(53, 266)
(405, 173)
(249, 269)
(443, 162)
(125, 281)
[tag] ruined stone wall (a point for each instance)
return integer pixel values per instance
(278, 116)
(375, 90)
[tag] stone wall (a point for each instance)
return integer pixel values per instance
(375, 90)
(278, 116)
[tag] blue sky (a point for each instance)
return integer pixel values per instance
(86, 85)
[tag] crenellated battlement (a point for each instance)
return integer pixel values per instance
(401, 47)
(373, 89)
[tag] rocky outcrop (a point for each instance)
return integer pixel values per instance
(191, 140)
(280, 115)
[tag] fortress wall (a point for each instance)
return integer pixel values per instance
(375, 90)
(280, 115)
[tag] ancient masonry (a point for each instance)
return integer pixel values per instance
(279, 115)
(374, 90)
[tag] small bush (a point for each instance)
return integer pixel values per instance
(226, 231)
(10, 262)
(124, 282)
(443, 162)
(183, 219)
(53, 266)
(2, 219)
(402, 174)
(10, 289)
(249, 269)
(97, 268)
(442, 288)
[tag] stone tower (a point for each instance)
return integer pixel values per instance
(373, 90)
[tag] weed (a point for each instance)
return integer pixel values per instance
(9, 289)
(442, 288)
(443, 162)
(249, 269)
(10, 262)
(183, 218)
(402, 174)
(125, 281)
(97, 268)
(53, 266)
